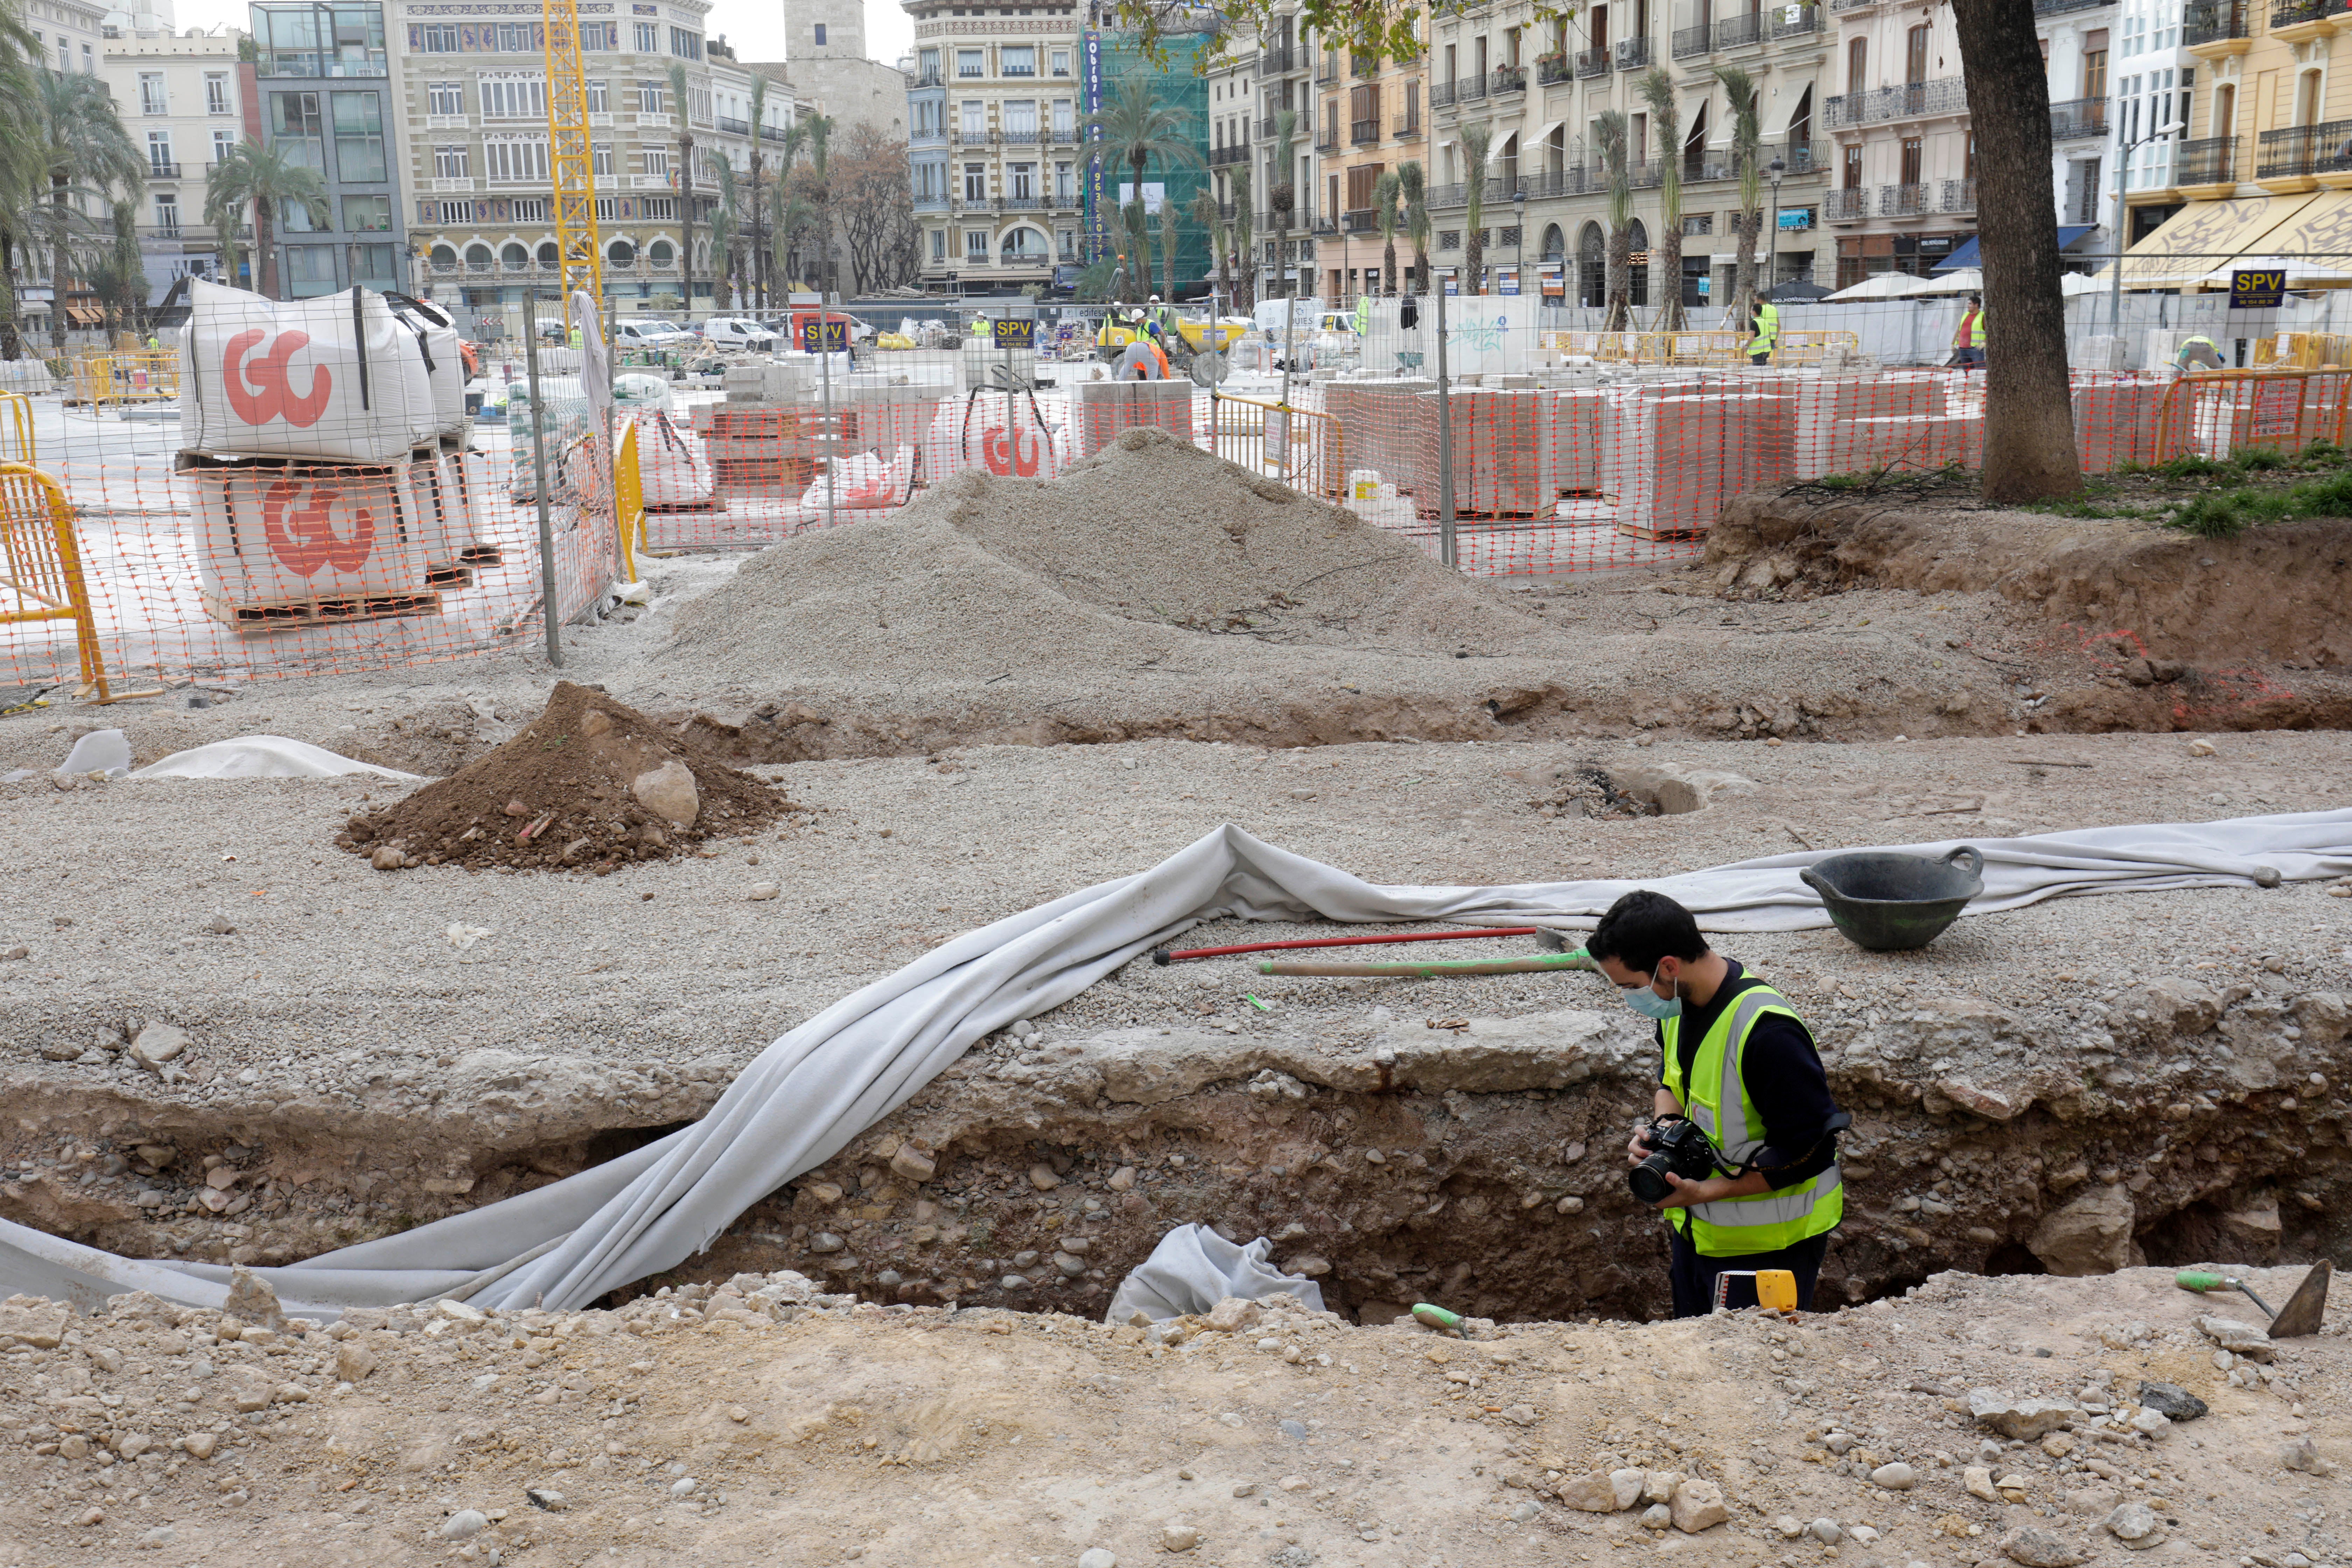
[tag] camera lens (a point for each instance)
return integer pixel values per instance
(1648, 1179)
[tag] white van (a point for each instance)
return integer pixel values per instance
(738, 332)
(650, 334)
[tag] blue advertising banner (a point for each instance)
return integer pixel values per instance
(1097, 191)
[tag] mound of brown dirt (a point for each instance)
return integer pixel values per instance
(590, 784)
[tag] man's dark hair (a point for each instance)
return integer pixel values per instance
(1644, 927)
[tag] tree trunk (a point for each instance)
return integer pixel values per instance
(2028, 449)
(1474, 258)
(758, 281)
(57, 266)
(1619, 317)
(1666, 265)
(686, 216)
(1420, 268)
(1387, 268)
(1743, 275)
(265, 247)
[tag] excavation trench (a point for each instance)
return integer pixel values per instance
(1478, 1165)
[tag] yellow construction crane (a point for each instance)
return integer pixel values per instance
(575, 161)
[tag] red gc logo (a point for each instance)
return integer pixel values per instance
(268, 397)
(304, 537)
(1013, 454)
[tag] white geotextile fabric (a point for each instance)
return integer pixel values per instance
(1193, 1269)
(263, 757)
(812, 1091)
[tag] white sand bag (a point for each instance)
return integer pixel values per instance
(673, 474)
(280, 534)
(864, 482)
(976, 432)
(436, 331)
(1193, 1269)
(263, 757)
(337, 378)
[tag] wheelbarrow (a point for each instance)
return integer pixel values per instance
(1888, 902)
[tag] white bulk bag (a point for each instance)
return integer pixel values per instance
(446, 494)
(436, 331)
(673, 474)
(974, 432)
(277, 536)
(336, 378)
(865, 482)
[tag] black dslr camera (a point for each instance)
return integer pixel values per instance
(1676, 1145)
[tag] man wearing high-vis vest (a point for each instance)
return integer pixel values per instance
(1737, 1062)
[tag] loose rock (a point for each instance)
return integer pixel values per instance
(2039, 1548)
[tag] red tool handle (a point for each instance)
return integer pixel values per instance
(1162, 956)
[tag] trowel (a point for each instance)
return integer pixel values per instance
(2300, 1316)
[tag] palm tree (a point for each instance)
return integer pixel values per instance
(819, 196)
(1740, 89)
(1665, 114)
(684, 181)
(1212, 219)
(1609, 130)
(1477, 142)
(21, 173)
(1168, 237)
(1135, 230)
(1412, 184)
(119, 274)
(1282, 197)
(726, 229)
(758, 280)
(79, 151)
(251, 171)
(1386, 194)
(1244, 242)
(1135, 128)
(1098, 281)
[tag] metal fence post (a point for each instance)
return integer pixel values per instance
(1446, 551)
(539, 469)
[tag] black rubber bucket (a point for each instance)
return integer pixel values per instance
(1888, 903)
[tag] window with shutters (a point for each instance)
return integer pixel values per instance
(512, 98)
(216, 99)
(515, 161)
(1915, 54)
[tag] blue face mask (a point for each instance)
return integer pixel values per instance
(1650, 1004)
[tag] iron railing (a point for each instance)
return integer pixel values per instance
(1328, 71)
(1593, 62)
(1912, 100)
(1441, 94)
(158, 170)
(2294, 12)
(743, 128)
(1846, 206)
(2302, 149)
(2210, 161)
(1551, 69)
(2078, 117)
(2061, 7)
(1779, 24)
(1959, 196)
(1632, 54)
(1328, 139)
(1732, 32)
(1408, 127)
(1274, 62)
(1237, 153)
(1902, 201)
(2211, 21)
(1689, 41)
(1469, 88)
(1509, 79)
(1360, 220)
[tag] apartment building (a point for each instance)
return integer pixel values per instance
(326, 94)
(474, 86)
(181, 102)
(1540, 86)
(69, 34)
(1372, 120)
(993, 105)
(2077, 40)
(1904, 159)
(2155, 81)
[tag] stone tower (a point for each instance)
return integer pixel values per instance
(818, 31)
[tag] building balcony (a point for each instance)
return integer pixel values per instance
(2299, 21)
(743, 128)
(1904, 201)
(930, 203)
(1328, 142)
(448, 121)
(1958, 196)
(1363, 133)
(1469, 89)
(1019, 203)
(1791, 22)
(2215, 28)
(1912, 100)
(1593, 62)
(1443, 196)
(2078, 118)
(656, 121)
(1840, 7)
(2063, 7)
(1360, 220)
(972, 138)
(1550, 68)
(927, 78)
(445, 183)
(1738, 32)
(1691, 42)
(1507, 79)
(771, 133)
(187, 234)
(1846, 206)
(2210, 161)
(1407, 128)
(1220, 157)
(1328, 71)
(156, 171)
(935, 137)
(2302, 152)
(1632, 54)
(1265, 128)
(1572, 181)
(1022, 136)
(1274, 62)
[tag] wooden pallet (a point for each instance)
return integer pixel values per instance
(1641, 530)
(317, 612)
(682, 507)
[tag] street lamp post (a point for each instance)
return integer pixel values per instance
(1519, 251)
(2116, 239)
(1776, 168)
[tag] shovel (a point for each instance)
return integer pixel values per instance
(2300, 1316)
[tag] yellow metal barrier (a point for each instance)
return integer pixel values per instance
(2215, 413)
(100, 379)
(40, 566)
(1303, 448)
(17, 444)
(1808, 347)
(628, 501)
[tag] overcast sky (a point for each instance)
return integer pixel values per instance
(757, 31)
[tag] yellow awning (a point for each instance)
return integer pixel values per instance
(2202, 235)
(2320, 234)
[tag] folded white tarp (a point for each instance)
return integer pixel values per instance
(807, 1095)
(1193, 1269)
(263, 757)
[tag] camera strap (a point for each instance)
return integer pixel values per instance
(1829, 1130)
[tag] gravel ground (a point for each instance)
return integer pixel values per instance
(712, 1426)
